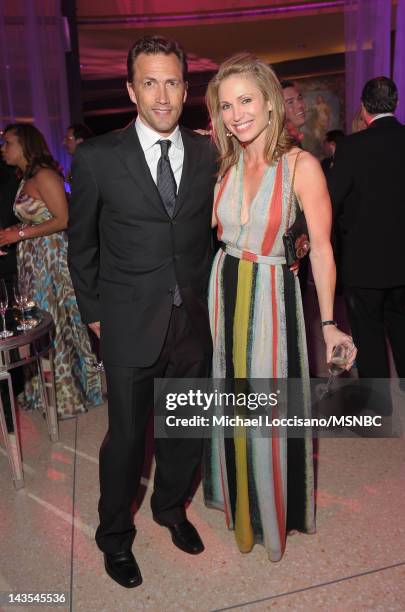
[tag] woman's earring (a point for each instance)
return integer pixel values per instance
(229, 134)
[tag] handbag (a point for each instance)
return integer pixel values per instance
(295, 238)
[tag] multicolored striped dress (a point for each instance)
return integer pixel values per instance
(258, 332)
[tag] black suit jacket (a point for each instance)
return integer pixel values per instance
(126, 254)
(368, 197)
(8, 189)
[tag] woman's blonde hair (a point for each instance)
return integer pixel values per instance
(277, 139)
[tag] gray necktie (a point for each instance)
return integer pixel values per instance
(166, 184)
(165, 180)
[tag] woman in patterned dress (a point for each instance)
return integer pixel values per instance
(41, 206)
(255, 302)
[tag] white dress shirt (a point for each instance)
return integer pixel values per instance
(151, 148)
(380, 115)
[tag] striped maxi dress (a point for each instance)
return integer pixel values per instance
(258, 331)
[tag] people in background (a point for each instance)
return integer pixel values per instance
(295, 117)
(366, 186)
(264, 484)
(41, 207)
(332, 139)
(75, 135)
(8, 270)
(8, 188)
(295, 113)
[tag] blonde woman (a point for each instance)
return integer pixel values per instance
(255, 302)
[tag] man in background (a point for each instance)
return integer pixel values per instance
(75, 135)
(368, 196)
(294, 110)
(332, 139)
(295, 119)
(8, 268)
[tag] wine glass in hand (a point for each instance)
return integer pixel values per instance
(3, 309)
(21, 299)
(337, 364)
(339, 360)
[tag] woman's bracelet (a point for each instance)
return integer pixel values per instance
(324, 323)
(21, 232)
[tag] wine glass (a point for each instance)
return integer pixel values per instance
(336, 365)
(339, 360)
(21, 299)
(3, 309)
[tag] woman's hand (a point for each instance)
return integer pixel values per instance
(295, 268)
(333, 336)
(9, 236)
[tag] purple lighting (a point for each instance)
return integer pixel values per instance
(33, 84)
(242, 13)
(399, 64)
(368, 45)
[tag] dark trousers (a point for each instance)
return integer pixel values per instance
(130, 400)
(374, 314)
(17, 376)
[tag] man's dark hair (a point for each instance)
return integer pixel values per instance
(285, 84)
(380, 95)
(152, 45)
(335, 136)
(80, 131)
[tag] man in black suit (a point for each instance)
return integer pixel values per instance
(332, 140)
(366, 186)
(8, 269)
(8, 189)
(140, 253)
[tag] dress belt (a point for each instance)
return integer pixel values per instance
(271, 260)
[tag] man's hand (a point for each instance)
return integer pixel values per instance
(95, 328)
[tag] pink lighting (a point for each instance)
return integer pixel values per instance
(55, 456)
(55, 475)
(157, 16)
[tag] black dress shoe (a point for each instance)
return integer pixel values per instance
(185, 536)
(123, 568)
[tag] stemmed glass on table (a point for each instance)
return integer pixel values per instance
(3, 309)
(21, 297)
